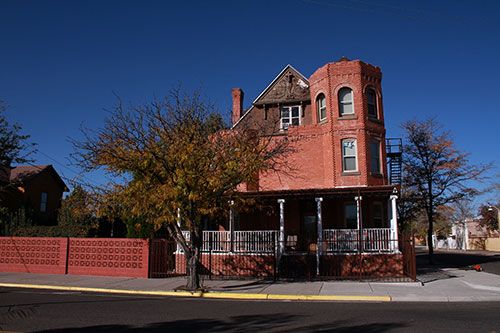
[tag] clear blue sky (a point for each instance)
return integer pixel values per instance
(62, 61)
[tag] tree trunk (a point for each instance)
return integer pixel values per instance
(193, 261)
(430, 244)
(193, 276)
(430, 220)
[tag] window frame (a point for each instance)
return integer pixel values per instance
(375, 103)
(341, 103)
(319, 108)
(375, 142)
(355, 142)
(44, 199)
(290, 117)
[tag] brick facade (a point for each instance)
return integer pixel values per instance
(317, 157)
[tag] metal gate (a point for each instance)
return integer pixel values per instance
(407, 247)
(162, 258)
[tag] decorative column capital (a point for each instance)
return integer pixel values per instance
(231, 202)
(319, 199)
(281, 201)
(358, 198)
(393, 197)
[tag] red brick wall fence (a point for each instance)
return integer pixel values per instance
(85, 256)
(143, 258)
(33, 255)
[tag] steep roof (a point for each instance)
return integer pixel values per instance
(280, 89)
(24, 173)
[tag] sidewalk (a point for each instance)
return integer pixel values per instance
(447, 285)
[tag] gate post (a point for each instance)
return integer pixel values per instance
(319, 245)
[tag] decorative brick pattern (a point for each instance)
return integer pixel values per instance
(108, 257)
(33, 255)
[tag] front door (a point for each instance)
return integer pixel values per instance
(309, 226)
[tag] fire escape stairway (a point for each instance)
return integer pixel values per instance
(394, 149)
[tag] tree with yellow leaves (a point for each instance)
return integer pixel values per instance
(181, 162)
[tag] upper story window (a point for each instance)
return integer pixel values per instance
(349, 155)
(375, 156)
(345, 102)
(321, 107)
(43, 202)
(371, 101)
(290, 116)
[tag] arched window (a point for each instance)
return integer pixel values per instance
(349, 155)
(321, 107)
(345, 102)
(371, 101)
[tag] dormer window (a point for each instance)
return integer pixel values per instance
(345, 102)
(371, 101)
(321, 107)
(290, 116)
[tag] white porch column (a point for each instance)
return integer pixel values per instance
(359, 220)
(231, 225)
(319, 245)
(394, 223)
(281, 245)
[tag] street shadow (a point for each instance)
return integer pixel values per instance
(251, 323)
(442, 261)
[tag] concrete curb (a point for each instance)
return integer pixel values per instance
(214, 295)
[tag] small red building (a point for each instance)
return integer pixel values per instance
(38, 188)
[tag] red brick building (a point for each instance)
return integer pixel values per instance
(36, 187)
(338, 194)
(334, 211)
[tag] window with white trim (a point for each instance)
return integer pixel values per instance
(345, 101)
(43, 202)
(371, 101)
(321, 107)
(351, 215)
(375, 156)
(349, 155)
(290, 116)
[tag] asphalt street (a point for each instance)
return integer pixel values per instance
(489, 261)
(46, 311)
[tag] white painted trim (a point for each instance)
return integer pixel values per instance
(269, 86)
(277, 77)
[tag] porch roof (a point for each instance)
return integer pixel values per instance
(370, 191)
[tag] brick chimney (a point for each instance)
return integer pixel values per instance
(237, 104)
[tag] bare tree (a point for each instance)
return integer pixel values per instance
(436, 173)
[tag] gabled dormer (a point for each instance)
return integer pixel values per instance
(284, 102)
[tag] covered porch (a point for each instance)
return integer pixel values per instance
(325, 222)
(341, 233)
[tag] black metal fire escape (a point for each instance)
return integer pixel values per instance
(394, 149)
